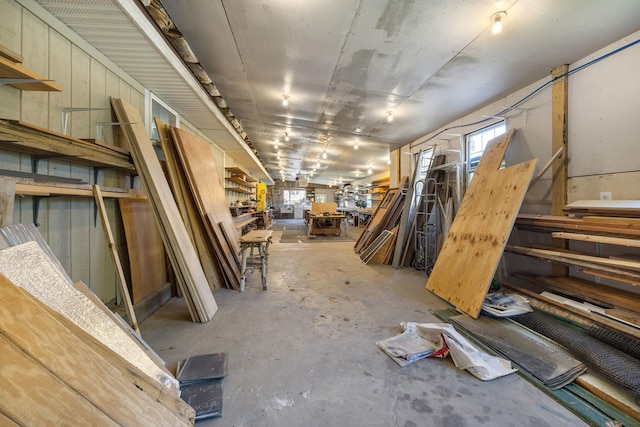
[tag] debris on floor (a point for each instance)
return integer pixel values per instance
(499, 304)
(420, 340)
(201, 383)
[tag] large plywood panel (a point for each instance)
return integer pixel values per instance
(469, 257)
(146, 253)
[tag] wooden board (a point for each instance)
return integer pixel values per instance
(9, 69)
(630, 208)
(188, 209)
(465, 267)
(634, 243)
(50, 371)
(319, 208)
(7, 198)
(113, 250)
(182, 253)
(11, 55)
(144, 245)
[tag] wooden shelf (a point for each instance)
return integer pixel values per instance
(240, 181)
(239, 190)
(236, 171)
(11, 70)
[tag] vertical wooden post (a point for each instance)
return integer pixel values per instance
(559, 135)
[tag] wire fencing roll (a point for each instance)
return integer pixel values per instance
(620, 367)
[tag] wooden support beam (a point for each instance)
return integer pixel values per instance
(559, 139)
(7, 197)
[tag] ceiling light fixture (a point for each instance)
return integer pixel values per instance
(370, 171)
(285, 100)
(390, 116)
(318, 164)
(497, 18)
(286, 136)
(324, 154)
(355, 145)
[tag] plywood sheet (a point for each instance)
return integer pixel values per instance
(318, 208)
(49, 373)
(465, 267)
(144, 245)
(182, 253)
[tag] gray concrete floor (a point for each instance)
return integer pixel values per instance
(303, 353)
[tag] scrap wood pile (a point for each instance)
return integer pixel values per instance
(377, 241)
(66, 358)
(190, 209)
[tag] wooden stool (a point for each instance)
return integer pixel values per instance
(260, 239)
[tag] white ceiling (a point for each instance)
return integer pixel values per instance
(346, 63)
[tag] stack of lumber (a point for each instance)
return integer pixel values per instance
(385, 218)
(608, 302)
(179, 246)
(66, 358)
(202, 203)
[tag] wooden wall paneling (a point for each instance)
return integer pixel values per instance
(144, 243)
(177, 241)
(98, 97)
(35, 49)
(59, 66)
(80, 121)
(200, 164)
(469, 257)
(46, 338)
(82, 221)
(11, 37)
(188, 210)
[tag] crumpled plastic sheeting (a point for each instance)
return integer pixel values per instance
(30, 268)
(442, 338)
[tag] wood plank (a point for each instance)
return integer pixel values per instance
(46, 339)
(611, 393)
(634, 243)
(7, 199)
(559, 137)
(11, 70)
(144, 245)
(9, 54)
(188, 209)
(470, 255)
(25, 137)
(175, 237)
(545, 223)
(111, 243)
(200, 166)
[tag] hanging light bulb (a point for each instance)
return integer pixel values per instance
(285, 100)
(286, 136)
(370, 171)
(496, 18)
(324, 154)
(318, 164)
(390, 117)
(355, 146)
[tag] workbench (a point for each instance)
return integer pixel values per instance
(334, 223)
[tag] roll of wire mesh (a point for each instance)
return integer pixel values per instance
(619, 340)
(620, 367)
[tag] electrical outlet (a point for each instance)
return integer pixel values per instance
(605, 195)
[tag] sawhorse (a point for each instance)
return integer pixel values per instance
(260, 239)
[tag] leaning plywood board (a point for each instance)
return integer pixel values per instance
(30, 268)
(188, 209)
(200, 167)
(182, 253)
(144, 245)
(465, 267)
(51, 374)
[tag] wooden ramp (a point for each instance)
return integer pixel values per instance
(465, 267)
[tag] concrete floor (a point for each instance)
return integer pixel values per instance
(303, 353)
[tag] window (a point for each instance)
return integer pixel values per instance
(292, 197)
(157, 109)
(477, 142)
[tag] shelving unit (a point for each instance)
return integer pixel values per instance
(239, 186)
(376, 192)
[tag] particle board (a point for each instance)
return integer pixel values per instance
(144, 246)
(470, 255)
(50, 372)
(182, 253)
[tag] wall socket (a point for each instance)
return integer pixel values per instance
(605, 195)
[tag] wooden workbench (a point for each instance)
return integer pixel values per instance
(334, 223)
